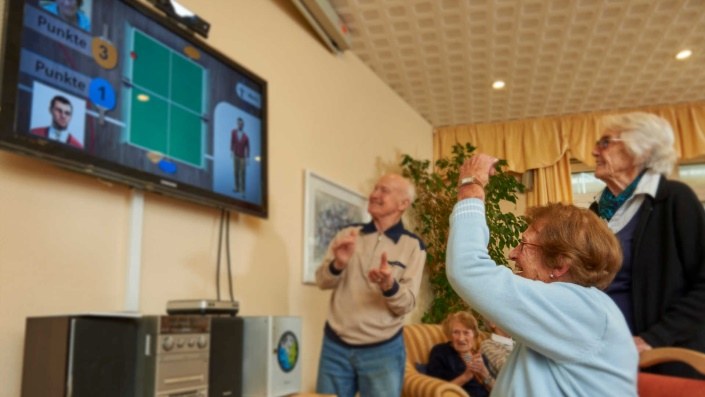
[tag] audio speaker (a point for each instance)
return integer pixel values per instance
(79, 356)
(225, 367)
(271, 353)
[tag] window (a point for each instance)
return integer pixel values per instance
(694, 176)
(586, 187)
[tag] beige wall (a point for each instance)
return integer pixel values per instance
(64, 237)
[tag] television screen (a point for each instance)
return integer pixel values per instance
(117, 90)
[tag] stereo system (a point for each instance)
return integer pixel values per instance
(118, 356)
(175, 356)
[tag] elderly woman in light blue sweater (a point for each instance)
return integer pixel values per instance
(571, 339)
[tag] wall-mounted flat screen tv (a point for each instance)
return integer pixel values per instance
(115, 89)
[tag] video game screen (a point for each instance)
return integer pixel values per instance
(115, 89)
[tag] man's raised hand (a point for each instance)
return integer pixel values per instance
(343, 248)
(382, 276)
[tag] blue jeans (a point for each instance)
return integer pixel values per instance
(373, 371)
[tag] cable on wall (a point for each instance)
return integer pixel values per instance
(224, 236)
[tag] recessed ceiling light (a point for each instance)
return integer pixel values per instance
(685, 54)
(498, 85)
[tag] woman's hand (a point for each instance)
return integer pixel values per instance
(641, 344)
(468, 374)
(477, 365)
(477, 168)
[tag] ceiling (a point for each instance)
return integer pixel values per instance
(557, 57)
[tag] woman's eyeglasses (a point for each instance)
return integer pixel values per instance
(605, 141)
(522, 243)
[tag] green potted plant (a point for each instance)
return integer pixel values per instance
(436, 194)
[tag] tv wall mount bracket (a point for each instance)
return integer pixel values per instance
(183, 16)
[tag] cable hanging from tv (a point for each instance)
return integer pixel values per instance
(224, 237)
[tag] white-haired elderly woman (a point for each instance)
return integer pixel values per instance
(660, 225)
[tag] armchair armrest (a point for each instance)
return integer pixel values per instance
(420, 385)
(655, 385)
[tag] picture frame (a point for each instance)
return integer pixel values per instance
(328, 207)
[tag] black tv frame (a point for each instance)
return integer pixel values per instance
(20, 141)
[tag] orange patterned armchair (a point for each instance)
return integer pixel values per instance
(419, 339)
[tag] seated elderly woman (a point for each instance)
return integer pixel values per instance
(459, 361)
(570, 337)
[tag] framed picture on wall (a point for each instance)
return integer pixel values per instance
(328, 207)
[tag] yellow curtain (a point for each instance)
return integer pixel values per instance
(546, 144)
(525, 144)
(551, 184)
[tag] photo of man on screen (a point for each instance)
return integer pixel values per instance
(69, 11)
(61, 111)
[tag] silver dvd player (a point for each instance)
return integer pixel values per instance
(202, 306)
